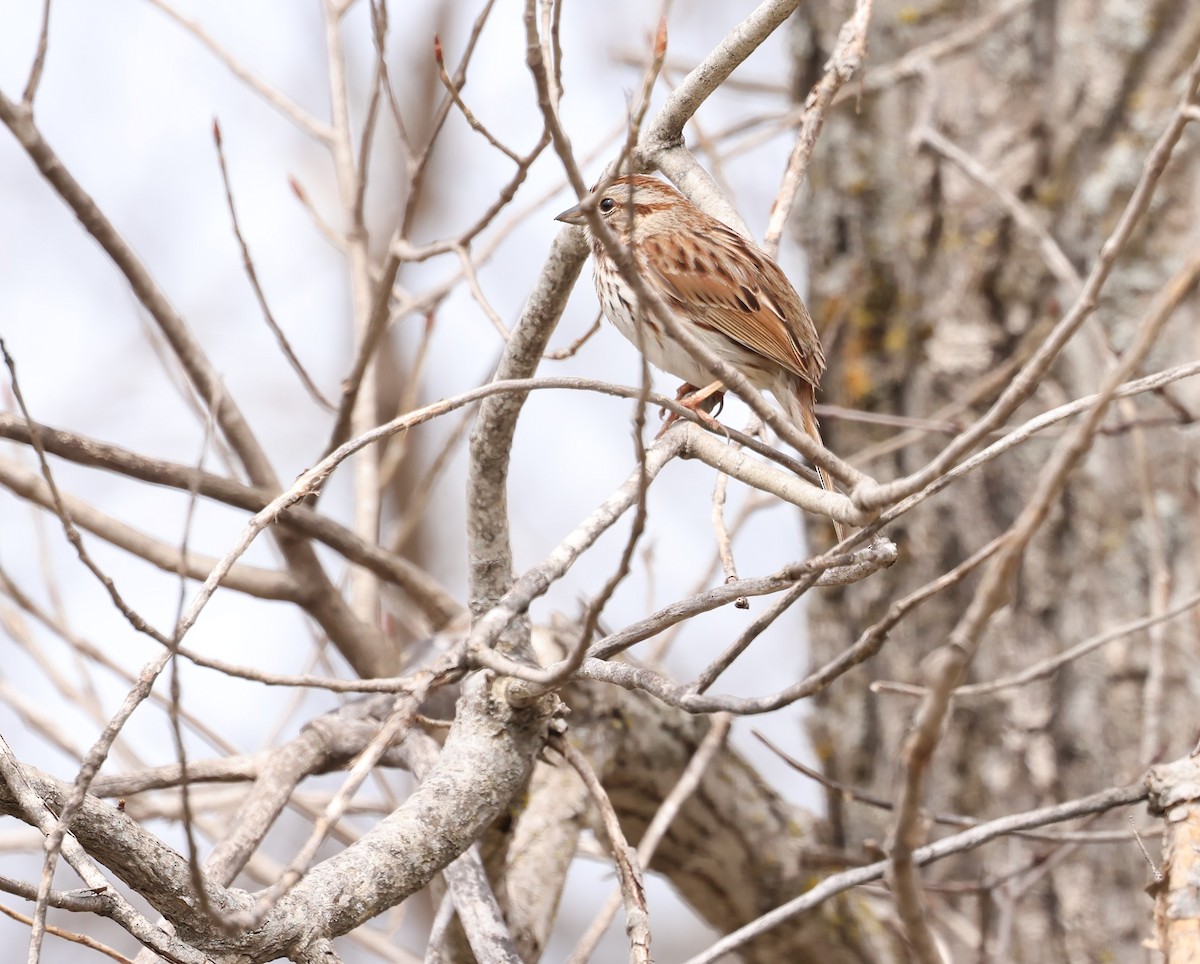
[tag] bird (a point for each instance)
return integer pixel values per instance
(727, 291)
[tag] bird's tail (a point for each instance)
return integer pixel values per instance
(798, 402)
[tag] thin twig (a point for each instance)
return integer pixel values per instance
(713, 670)
(281, 102)
(930, 853)
(948, 665)
(336, 238)
(1047, 667)
(664, 816)
(849, 55)
(561, 354)
(39, 58)
(252, 276)
(633, 891)
(456, 97)
(398, 720)
(724, 540)
(73, 537)
(89, 942)
(1029, 377)
(366, 140)
(176, 694)
(1054, 256)
(472, 279)
(756, 502)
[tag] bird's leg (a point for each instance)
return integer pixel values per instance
(699, 400)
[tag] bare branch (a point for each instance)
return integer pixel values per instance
(283, 104)
(668, 810)
(947, 846)
(633, 891)
(253, 580)
(23, 791)
(848, 56)
(39, 58)
(467, 881)
(1048, 667)
(360, 642)
(1030, 375)
(252, 276)
(431, 598)
(830, 569)
(947, 665)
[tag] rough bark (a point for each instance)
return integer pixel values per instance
(1174, 790)
(736, 849)
(926, 288)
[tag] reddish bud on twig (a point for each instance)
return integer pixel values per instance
(217, 132)
(437, 48)
(296, 188)
(660, 40)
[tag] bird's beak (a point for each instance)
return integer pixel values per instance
(572, 216)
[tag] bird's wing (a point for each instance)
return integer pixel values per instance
(739, 292)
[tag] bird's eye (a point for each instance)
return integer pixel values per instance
(606, 205)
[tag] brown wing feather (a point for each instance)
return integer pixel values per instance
(726, 292)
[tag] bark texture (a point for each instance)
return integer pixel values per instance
(927, 291)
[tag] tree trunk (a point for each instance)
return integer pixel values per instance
(928, 292)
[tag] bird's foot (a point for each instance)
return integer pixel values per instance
(701, 401)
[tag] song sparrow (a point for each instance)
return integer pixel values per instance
(732, 296)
